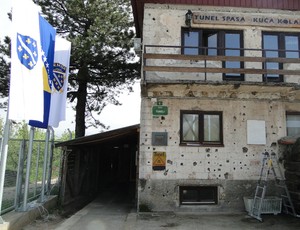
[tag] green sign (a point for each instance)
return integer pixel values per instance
(159, 110)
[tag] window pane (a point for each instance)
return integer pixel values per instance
(212, 128)
(271, 45)
(232, 46)
(292, 43)
(189, 195)
(211, 42)
(208, 195)
(293, 125)
(191, 39)
(190, 126)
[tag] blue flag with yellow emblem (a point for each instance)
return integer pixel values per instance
(47, 36)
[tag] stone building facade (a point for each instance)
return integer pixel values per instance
(220, 86)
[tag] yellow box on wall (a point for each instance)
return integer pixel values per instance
(159, 160)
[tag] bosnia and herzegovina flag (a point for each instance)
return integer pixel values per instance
(60, 81)
(47, 35)
(26, 96)
(32, 55)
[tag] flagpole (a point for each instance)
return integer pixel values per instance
(48, 190)
(45, 165)
(4, 150)
(27, 179)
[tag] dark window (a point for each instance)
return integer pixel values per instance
(277, 45)
(293, 123)
(232, 48)
(213, 43)
(192, 195)
(201, 128)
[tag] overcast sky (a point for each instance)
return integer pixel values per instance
(113, 116)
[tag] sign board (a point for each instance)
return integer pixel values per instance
(245, 19)
(159, 138)
(159, 160)
(256, 132)
(158, 110)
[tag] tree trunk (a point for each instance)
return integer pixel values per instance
(81, 103)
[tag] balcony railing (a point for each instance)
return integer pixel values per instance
(167, 63)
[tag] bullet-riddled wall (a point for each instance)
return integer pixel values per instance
(232, 168)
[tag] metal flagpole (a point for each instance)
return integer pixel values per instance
(45, 165)
(4, 148)
(18, 194)
(48, 190)
(28, 169)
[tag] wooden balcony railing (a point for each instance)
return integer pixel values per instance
(169, 59)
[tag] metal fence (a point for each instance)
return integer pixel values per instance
(20, 187)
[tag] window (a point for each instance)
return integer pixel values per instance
(232, 45)
(293, 123)
(192, 41)
(201, 128)
(210, 40)
(277, 45)
(215, 42)
(192, 195)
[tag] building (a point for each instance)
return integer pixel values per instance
(220, 85)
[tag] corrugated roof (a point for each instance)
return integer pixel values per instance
(138, 6)
(99, 138)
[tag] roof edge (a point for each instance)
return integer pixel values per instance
(104, 135)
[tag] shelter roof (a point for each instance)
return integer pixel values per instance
(99, 138)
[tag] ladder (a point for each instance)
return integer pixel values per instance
(270, 164)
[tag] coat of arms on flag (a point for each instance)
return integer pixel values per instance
(60, 81)
(59, 76)
(27, 51)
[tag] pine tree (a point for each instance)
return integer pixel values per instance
(4, 68)
(102, 63)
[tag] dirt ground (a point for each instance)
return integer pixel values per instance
(47, 221)
(51, 219)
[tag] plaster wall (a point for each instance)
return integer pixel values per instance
(162, 26)
(233, 168)
(236, 160)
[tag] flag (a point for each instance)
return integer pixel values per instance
(60, 81)
(47, 36)
(26, 82)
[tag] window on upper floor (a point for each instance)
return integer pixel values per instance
(279, 45)
(201, 128)
(215, 42)
(293, 123)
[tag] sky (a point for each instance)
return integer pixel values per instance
(113, 116)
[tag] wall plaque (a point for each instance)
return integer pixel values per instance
(245, 19)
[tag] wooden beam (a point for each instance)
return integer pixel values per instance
(218, 58)
(219, 70)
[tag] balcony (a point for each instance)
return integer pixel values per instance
(167, 64)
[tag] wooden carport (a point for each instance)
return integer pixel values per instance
(97, 162)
